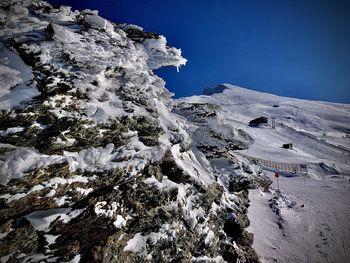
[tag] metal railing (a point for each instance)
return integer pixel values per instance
(291, 168)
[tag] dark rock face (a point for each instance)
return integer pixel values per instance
(218, 89)
(94, 166)
(22, 238)
(258, 122)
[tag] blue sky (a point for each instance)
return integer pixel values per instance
(293, 48)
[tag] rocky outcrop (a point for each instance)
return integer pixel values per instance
(212, 90)
(94, 166)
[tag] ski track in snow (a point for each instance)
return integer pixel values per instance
(315, 229)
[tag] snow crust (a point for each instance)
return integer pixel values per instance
(120, 222)
(52, 184)
(41, 220)
(160, 55)
(64, 34)
(139, 243)
(23, 160)
(13, 74)
(205, 259)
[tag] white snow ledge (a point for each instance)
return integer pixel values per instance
(160, 55)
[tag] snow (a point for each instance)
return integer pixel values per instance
(9, 198)
(135, 155)
(90, 158)
(101, 66)
(61, 200)
(160, 55)
(13, 71)
(300, 122)
(51, 193)
(308, 220)
(6, 258)
(23, 160)
(106, 210)
(18, 96)
(312, 216)
(22, 255)
(42, 219)
(14, 74)
(138, 244)
(50, 239)
(19, 10)
(64, 34)
(4, 234)
(206, 259)
(54, 182)
(209, 238)
(12, 130)
(97, 22)
(104, 103)
(84, 191)
(40, 258)
(189, 163)
(120, 222)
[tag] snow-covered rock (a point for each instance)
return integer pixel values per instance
(94, 165)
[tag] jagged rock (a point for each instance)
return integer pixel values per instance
(210, 91)
(22, 239)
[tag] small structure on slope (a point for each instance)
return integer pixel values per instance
(261, 121)
(288, 146)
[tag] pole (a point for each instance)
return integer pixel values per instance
(278, 183)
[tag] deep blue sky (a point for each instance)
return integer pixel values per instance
(294, 48)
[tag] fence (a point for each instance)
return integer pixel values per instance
(295, 168)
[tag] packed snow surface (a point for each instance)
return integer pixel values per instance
(308, 222)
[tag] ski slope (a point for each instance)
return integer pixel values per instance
(319, 131)
(314, 216)
(309, 220)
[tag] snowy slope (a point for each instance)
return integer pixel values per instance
(319, 131)
(307, 220)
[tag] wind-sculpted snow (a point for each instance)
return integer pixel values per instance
(94, 165)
